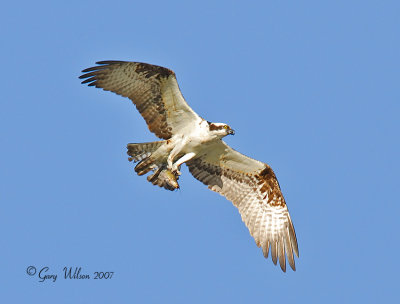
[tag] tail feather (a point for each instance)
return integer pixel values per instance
(145, 166)
(143, 153)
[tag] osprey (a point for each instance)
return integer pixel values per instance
(187, 138)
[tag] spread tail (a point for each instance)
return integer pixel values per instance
(143, 153)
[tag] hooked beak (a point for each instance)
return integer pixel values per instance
(231, 132)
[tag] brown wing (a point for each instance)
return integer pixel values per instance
(153, 89)
(253, 188)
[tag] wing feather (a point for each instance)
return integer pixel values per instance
(253, 188)
(274, 250)
(289, 249)
(153, 89)
(266, 248)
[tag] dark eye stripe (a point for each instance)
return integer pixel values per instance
(214, 127)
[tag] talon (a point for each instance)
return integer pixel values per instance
(174, 168)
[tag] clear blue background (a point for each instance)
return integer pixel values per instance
(311, 88)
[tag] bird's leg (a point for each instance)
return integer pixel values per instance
(174, 152)
(184, 158)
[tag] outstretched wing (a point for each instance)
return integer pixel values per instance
(153, 89)
(253, 188)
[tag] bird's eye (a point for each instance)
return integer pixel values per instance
(225, 127)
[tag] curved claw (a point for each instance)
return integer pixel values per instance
(175, 170)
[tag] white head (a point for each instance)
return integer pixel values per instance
(220, 129)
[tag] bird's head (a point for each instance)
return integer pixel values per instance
(220, 129)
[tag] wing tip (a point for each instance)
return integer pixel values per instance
(280, 251)
(109, 62)
(101, 65)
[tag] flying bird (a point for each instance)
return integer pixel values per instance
(187, 138)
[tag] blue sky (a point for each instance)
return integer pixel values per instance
(310, 87)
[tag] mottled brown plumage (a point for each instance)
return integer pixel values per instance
(250, 184)
(153, 89)
(253, 188)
